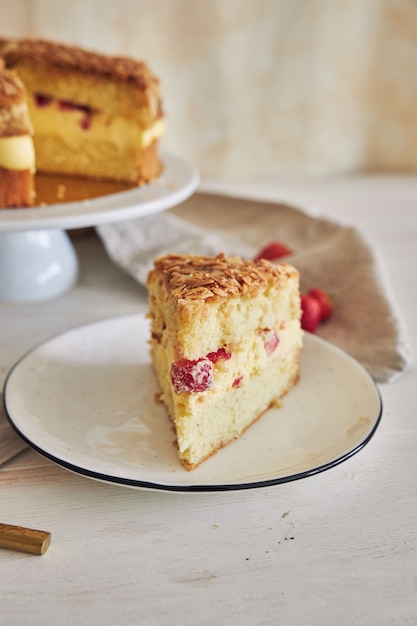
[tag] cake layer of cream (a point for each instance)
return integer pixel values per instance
(155, 131)
(76, 123)
(17, 153)
(83, 143)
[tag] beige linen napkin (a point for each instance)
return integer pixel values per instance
(365, 323)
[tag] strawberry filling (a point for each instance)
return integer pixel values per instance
(237, 382)
(271, 340)
(43, 100)
(189, 376)
(220, 354)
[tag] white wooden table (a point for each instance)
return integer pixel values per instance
(336, 548)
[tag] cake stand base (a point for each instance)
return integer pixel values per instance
(37, 260)
(36, 265)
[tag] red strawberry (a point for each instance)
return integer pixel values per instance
(271, 340)
(311, 313)
(274, 250)
(219, 355)
(324, 300)
(191, 376)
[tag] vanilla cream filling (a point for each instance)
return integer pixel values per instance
(156, 131)
(77, 124)
(17, 153)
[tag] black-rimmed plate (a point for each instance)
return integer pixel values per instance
(86, 400)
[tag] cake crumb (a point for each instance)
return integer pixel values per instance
(61, 191)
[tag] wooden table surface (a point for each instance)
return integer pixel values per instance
(337, 548)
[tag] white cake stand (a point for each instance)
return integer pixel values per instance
(37, 259)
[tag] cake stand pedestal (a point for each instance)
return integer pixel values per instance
(36, 265)
(37, 258)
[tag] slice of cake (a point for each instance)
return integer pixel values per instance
(17, 156)
(93, 115)
(225, 344)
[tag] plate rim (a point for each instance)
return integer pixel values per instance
(195, 487)
(77, 214)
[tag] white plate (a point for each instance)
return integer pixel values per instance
(85, 399)
(176, 183)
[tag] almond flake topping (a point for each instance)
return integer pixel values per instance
(191, 278)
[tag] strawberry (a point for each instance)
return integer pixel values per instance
(324, 300)
(273, 251)
(271, 340)
(219, 355)
(311, 313)
(191, 376)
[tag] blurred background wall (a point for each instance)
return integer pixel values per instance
(255, 88)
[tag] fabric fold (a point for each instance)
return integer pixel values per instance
(366, 322)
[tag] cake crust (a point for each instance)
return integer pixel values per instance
(12, 90)
(14, 116)
(16, 180)
(74, 57)
(225, 345)
(194, 281)
(62, 56)
(16, 188)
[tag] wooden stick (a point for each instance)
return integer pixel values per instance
(24, 539)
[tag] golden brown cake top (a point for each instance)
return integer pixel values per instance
(192, 277)
(76, 58)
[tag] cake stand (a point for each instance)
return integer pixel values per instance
(37, 258)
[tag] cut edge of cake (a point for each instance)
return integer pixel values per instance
(94, 116)
(17, 155)
(225, 345)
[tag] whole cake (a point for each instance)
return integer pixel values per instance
(93, 115)
(225, 344)
(17, 156)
